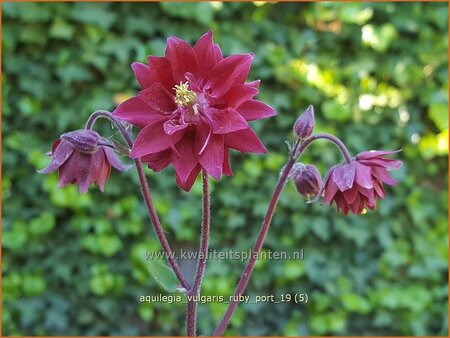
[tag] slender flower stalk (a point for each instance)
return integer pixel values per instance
(145, 192)
(296, 152)
(191, 314)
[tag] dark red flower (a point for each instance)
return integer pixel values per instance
(307, 179)
(357, 185)
(82, 157)
(193, 107)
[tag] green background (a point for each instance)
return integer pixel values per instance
(377, 75)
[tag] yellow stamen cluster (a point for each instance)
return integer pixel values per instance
(183, 96)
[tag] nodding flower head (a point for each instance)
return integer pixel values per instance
(357, 185)
(307, 179)
(82, 157)
(193, 108)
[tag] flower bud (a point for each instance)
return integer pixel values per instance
(307, 179)
(83, 141)
(304, 125)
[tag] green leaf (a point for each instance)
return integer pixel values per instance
(163, 275)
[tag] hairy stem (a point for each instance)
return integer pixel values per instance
(297, 150)
(331, 138)
(145, 192)
(259, 241)
(191, 314)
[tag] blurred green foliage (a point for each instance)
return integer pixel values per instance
(377, 76)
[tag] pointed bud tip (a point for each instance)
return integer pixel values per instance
(304, 125)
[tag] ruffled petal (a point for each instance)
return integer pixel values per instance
(187, 185)
(211, 158)
(245, 141)
(383, 175)
(229, 72)
(254, 84)
(382, 162)
(330, 190)
(62, 152)
(142, 74)
(137, 112)
(206, 55)
(112, 158)
(153, 139)
(76, 170)
(239, 94)
(351, 194)
(344, 176)
(104, 173)
(185, 161)
(182, 58)
(226, 163)
(375, 153)
(254, 110)
(363, 176)
(158, 161)
(158, 98)
(161, 71)
(226, 121)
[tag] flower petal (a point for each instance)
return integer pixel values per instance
(186, 186)
(137, 112)
(112, 159)
(142, 74)
(211, 158)
(153, 139)
(226, 121)
(245, 141)
(158, 161)
(95, 168)
(383, 175)
(254, 84)
(59, 157)
(174, 125)
(158, 98)
(161, 71)
(104, 173)
(182, 58)
(382, 162)
(206, 55)
(255, 110)
(239, 94)
(363, 176)
(344, 176)
(330, 191)
(226, 163)
(185, 161)
(375, 153)
(351, 194)
(231, 71)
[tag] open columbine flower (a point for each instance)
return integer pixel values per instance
(194, 107)
(82, 157)
(357, 185)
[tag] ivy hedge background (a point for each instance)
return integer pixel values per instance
(377, 74)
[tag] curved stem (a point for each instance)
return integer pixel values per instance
(297, 150)
(260, 239)
(333, 139)
(191, 315)
(145, 192)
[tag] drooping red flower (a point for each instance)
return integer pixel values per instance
(82, 157)
(307, 179)
(193, 107)
(357, 185)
